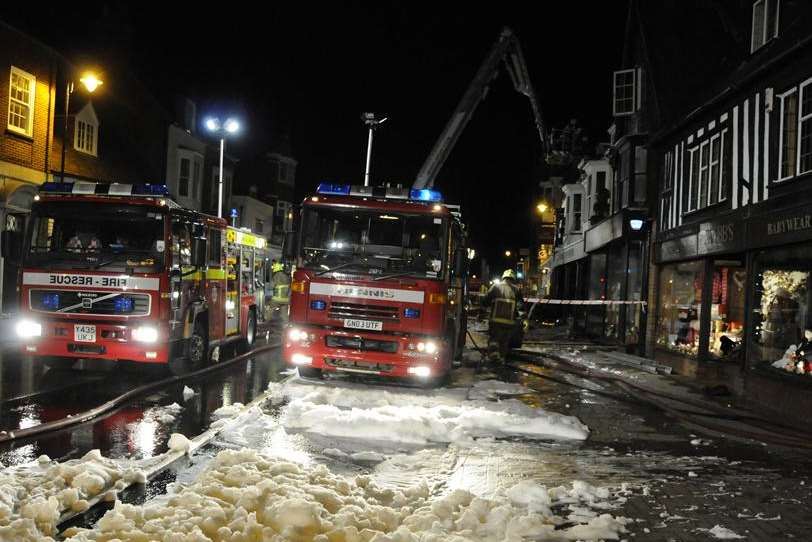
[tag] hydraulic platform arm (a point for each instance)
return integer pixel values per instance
(505, 49)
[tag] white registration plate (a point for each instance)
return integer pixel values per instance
(84, 334)
(369, 325)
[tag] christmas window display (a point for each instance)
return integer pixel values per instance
(782, 327)
(727, 310)
(680, 307)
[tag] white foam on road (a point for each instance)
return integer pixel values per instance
(244, 496)
(416, 418)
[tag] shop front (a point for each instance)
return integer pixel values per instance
(702, 292)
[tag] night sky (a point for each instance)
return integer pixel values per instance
(306, 71)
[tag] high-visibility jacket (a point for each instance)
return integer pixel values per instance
(281, 288)
(504, 300)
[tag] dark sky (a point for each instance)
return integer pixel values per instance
(307, 70)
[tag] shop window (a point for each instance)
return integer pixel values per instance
(634, 292)
(615, 276)
(680, 307)
(727, 309)
(781, 308)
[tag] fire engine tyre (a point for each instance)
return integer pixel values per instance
(196, 353)
(53, 362)
(246, 343)
(309, 372)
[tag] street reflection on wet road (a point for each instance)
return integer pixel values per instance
(140, 429)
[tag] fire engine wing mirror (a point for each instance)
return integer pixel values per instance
(198, 252)
(11, 244)
(289, 246)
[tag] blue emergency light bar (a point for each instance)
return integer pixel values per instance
(334, 189)
(423, 194)
(104, 189)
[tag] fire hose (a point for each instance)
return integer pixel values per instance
(87, 415)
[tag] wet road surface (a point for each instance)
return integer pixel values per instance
(32, 394)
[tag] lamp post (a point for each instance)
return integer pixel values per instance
(370, 120)
(91, 83)
(230, 127)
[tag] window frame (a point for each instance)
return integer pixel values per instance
(83, 132)
(691, 152)
(766, 33)
(801, 119)
(718, 165)
(188, 176)
(633, 86)
(783, 97)
(29, 131)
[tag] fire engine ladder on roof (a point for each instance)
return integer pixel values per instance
(505, 49)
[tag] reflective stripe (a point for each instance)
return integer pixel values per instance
(281, 293)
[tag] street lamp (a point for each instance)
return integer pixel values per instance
(91, 83)
(370, 120)
(541, 208)
(507, 254)
(230, 127)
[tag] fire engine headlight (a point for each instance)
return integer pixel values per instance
(429, 347)
(301, 359)
(296, 334)
(28, 328)
(145, 334)
(422, 372)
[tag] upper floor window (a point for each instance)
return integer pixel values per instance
(259, 225)
(577, 209)
(625, 98)
(795, 148)
(190, 166)
(86, 131)
(282, 208)
(765, 23)
(707, 173)
(21, 102)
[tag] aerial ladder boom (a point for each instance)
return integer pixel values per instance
(505, 49)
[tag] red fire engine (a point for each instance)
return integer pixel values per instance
(121, 272)
(379, 283)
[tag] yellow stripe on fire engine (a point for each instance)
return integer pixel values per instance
(245, 239)
(189, 273)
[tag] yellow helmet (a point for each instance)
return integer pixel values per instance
(508, 274)
(276, 267)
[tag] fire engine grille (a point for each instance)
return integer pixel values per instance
(368, 312)
(360, 343)
(101, 303)
(358, 366)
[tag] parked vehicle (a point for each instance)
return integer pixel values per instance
(121, 272)
(379, 286)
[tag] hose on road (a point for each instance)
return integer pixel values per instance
(87, 415)
(773, 432)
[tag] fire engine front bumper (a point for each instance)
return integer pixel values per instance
(108, 341)
(365, 353)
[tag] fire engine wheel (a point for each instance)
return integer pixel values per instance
(196, 354)
(309, 372)
(250, 333)
(59, 363)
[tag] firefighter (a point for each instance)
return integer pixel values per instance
(504, 299)
(281, 289)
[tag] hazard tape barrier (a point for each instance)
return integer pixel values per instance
(581, 301)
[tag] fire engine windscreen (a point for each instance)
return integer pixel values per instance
(375, 242)
(79, 235)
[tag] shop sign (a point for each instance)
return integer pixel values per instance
(720, 237)
(677, 249)
(780, 228)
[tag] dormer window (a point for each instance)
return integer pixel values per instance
(626, 92)
(86, 131)
(765, 23)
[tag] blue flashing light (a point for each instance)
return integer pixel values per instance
(318, 305)
(123, 304)
(334, 189)
(150, 190)
(50, 301)
(411, 313)
(56, 187)
(234, 213)
(425, 194)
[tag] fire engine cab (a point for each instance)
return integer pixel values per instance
(379, 283)
(121, 272)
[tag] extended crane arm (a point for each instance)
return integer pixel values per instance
(506, 48)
